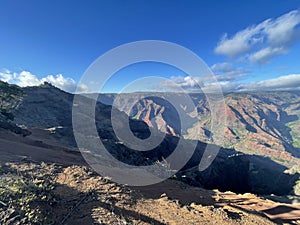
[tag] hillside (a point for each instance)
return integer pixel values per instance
(264, 123)
(44, 113)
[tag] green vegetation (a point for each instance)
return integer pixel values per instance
(295, 132)
(10, 88)
(20, 192)
(7, 114)
(279, 160)
(297, 188)
(10, 96)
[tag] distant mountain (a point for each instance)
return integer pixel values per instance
(264, 123)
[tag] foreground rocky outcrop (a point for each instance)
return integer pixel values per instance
(43, 193)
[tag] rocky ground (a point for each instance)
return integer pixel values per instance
(69, 192)
(43, 193)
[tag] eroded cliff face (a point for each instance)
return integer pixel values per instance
(265, 124)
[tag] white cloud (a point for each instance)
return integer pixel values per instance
(222, 67)
(187, 82)
(225, 86)
(286, 82)
(283, 30)
(263, 41)
(26, 78)
(282, 83)
(264, 55)
(195, 84)
(82, 88)
(6, 76)
(241, 42)
(227, 72)
(67, 84)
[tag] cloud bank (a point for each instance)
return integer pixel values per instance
(289, 82)
(25, 79)
(261, 42)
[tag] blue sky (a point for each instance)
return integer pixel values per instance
(246, 43)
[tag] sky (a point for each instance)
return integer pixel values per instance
(248, 45)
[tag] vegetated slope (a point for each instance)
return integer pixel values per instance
(11, 97)
(264, 123)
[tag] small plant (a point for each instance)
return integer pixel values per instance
(297, 188)
(22, 192)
